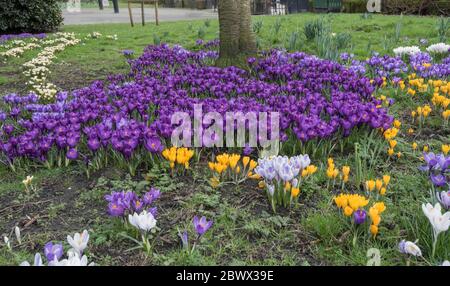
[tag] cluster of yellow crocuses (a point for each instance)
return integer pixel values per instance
(180, 156)
(333, 172)
(437, 89)
(354, 204)
(389, 135)
(232, 167)
(375, 216)
(350, 203)
(380, 185)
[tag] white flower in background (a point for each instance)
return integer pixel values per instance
(409, 247)
(37, 70)
(402, 51)
(440, 222)
(143, 221)
(440, 48)
(94, 35)
(446, 263)
(79, 241)
(18, 236)
(112, 37)
(7, 242)
(18, 51)
(37, 261)
(28, 180)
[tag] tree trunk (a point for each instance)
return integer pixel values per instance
(237, 40)
(247, 39)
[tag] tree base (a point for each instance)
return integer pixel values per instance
(239, 61)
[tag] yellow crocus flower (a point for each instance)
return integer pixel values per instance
(245, 161)
(346, 170)
(445, 149)
(374, 230)
(378, 184)
(393, 143)
(348, 211)
(386, 180)
(295, 192)
(370, 185)
(390, 151)
(253, 165)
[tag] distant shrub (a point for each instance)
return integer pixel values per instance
(33, 16)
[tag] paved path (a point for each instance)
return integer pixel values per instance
(96, 16)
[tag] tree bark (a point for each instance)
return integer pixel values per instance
(247, 39)
(237, 40)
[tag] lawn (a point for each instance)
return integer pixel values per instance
(246, 231)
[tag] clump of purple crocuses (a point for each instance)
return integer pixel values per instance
(4, 38)
(131, 115)
(438, 168)
(121, 204)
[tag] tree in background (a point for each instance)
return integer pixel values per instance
(32, 16)
(237, 40)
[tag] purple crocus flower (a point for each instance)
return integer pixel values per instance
(53, 251)
(116, 209)
(359, 217)
(93, 144)
(138, 205)
(401, 246)
(72, 154)
(184, 239)
(439, 180)
(153, 211)
(442, 163)
(151, 196)
(127, 53)
(154, 145)
(444, 198)
(430, 160)
(423, 42)
(3, 116)
(201, 225)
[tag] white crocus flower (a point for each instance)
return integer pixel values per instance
(7, 242)
(79, 241)
(73, 259)
(143, 221)
(439, 48)
(402, 51)
(28, 180)
(37, 261)
(412, 249)
(18, 235)
(446, 263)
(440, 222)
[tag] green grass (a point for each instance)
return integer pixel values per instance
(245, 231)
